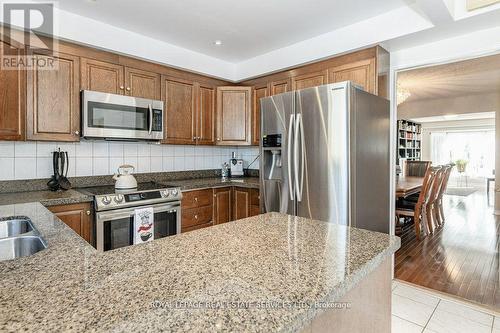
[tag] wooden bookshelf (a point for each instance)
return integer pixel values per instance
(409, 140)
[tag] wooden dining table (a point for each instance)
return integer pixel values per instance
(408, 185)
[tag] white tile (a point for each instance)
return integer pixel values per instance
(7, 167)
(446, 322)
(25, 168)
(179, 151)
(144, 165)
(83, 166)
(216, 151)
(100, 166)
(189, 150)
(496, 323)
(130, 149)
(6, 149)
(156, 164)
(410, 310)
(67, 147)
(466, 312)
(132, 160)
(403, 326)
(199, 151)
(83, 149)
(100, 149)
(156, 150)
(44, 167)
(168, 163)
(189, 163)
(209, 151)
(416, 295)
(115, 149)
(45, 149)
(168, 150)
(72, 167)
(179, 163)
(25, 149)
(143, 150)
(114, 163)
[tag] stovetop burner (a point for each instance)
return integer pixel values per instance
(110, 189)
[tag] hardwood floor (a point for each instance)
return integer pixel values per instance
(462, 257)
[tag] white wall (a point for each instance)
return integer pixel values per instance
(32, 160)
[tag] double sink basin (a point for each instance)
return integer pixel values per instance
(19, 238)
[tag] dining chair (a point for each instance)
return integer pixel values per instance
(416, 168)
(431, 204)
(417, 210)
(439, 212)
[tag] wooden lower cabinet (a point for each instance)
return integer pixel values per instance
(78, 217)
(222, 205)
(207, 207)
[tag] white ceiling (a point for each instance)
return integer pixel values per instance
(454, 117)
(475, 76)
(246, 28)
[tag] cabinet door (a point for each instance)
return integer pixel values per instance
(361, 73)
(279, 87)
(139, 83)
(78, 217)
(254, 202)
(222, 205)
(102, 76)
(309, 80)
(180, 116)
(234, 115)
(53, 108)
(241, 203)
(12, 98)
(205, 124)
(258, 93)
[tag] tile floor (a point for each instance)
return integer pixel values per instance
(418, 310)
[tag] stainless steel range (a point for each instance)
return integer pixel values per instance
(115, 212)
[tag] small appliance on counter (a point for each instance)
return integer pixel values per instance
(60, 166)
(236, 166)
(124, 178)
(225, 170)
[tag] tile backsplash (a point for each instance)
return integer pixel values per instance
(32, 160)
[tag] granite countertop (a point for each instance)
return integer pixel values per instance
(200, 183)
(46, 198)
(182, 283)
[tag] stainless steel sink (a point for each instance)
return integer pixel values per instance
(21, 246)
(14, 227)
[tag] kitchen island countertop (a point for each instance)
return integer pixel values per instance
(211, 279)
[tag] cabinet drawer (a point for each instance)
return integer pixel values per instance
(254, 197)
(196, 216)
(195, 227)
(194, 199)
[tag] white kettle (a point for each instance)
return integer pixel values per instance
(124, 178)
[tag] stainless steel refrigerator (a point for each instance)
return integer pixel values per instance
(325, 155)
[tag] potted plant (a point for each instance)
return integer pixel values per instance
(461, 165)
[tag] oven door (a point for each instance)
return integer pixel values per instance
(121, 117)
(115, 227)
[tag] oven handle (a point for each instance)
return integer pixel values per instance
(150, 118)
(126, 212)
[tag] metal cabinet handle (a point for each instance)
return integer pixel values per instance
(87, 212)
(194, 138)
(122, 87)
(77, 133)
(218, 139)
(196, 217)
(128, 88)
(196, 199)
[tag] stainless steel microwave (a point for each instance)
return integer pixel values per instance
(118, 117)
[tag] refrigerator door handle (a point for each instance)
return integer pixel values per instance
(290, 131)
(299, 130)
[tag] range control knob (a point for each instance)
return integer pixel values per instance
(174, 192)
(165, 194)
(106, 200)
(119, 198)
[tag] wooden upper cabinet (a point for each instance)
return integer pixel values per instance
(205, 115)
(362, 73)
(139, 83)
(234, 115)
(180, 106)
(12, 98)
(258, 93)
(102, 76)
(279, 87)
(53, 109)
(222, 205)
(309, 80)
